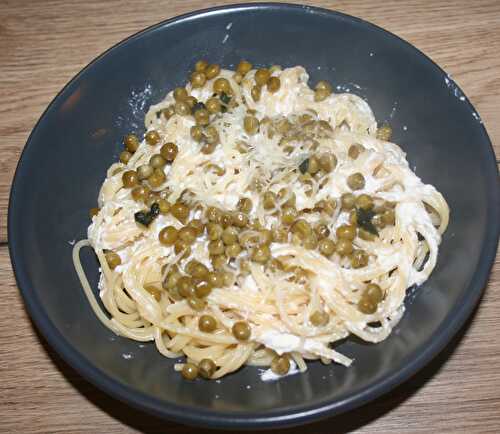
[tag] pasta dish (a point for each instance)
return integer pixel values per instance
(259, 222)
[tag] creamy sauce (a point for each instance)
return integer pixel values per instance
(246, 165)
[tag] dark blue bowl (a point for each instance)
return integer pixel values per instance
(79, 136)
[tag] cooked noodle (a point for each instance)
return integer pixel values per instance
(275, 299)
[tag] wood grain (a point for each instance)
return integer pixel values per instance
(43, 44)
(43, 47)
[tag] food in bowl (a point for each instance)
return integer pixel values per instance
(259, 221)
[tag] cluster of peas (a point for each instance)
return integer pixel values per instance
(226, 230)
(204, 112)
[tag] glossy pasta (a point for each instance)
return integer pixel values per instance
(332, 205)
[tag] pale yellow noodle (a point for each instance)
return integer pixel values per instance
(277, 303)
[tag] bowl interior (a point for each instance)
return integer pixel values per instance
(80, 134)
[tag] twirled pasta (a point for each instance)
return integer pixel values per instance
(276, 301)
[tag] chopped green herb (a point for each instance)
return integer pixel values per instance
(146, 218)
(225, 98)
(364, 219)
(143, 218)
(304, 166)
(155, 210)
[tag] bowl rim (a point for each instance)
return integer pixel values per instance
(272, 418)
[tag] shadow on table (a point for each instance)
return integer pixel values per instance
(344, 423)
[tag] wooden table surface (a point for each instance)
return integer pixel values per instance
(43, 44)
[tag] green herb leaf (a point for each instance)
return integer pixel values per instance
(304, 166)
(225, 98)
(155, 210)
(143, 218)
(364, 218)
(146, 218)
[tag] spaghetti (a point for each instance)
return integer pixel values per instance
(257, 223)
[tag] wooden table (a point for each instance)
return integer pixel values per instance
(43, 44)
